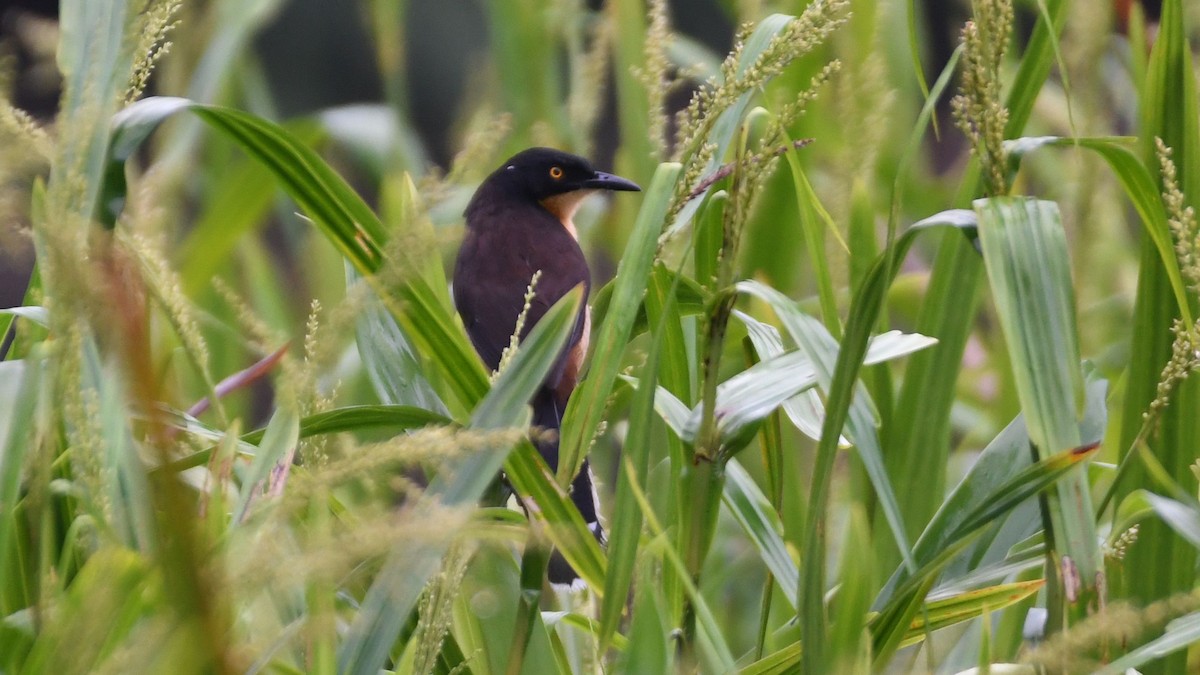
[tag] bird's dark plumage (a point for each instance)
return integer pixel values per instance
(518, 223)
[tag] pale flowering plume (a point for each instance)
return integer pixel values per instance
(153, 21)
(734, 79)
(979, 107)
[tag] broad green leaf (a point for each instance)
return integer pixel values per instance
(1005, 456)
(823, 351)
(1025, 255)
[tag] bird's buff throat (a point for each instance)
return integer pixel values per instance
(564, 206)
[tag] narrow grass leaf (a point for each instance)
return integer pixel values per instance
(947, 611)
(1182, 517)
(864, 312)
(814, 222)
(805, 410)
(279, 440)
(999, 462)
(95, 58)
(848, 634)
(1140, 188)
(890, 626)
(1169, 108)
(99, 610)
(238, 201)
(626, 529)
(362, 418)
(753, 512)
(690, 299)
(18, 437)
(388, 357)
(586, 407)
(753, 394)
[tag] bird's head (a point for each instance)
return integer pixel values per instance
(541, 173)
(556, 180)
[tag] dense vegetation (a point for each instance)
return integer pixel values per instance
(888, 372)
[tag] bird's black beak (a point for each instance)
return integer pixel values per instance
(607, 181)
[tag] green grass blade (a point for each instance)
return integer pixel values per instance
(864, 312)
(1139, 186)
(848, 634)
(583, 413)
(626, 528)
(22, 421)
(238, 202)
(277, 444)
(509, 398)
(388, 357)
(394, 593)
(689, 299)
(814, 222)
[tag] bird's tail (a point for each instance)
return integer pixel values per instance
(547, 414)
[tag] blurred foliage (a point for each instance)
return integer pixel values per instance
(878, 382)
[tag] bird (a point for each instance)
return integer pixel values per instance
(519, 223)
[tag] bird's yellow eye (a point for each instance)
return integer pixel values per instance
(556, 172)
